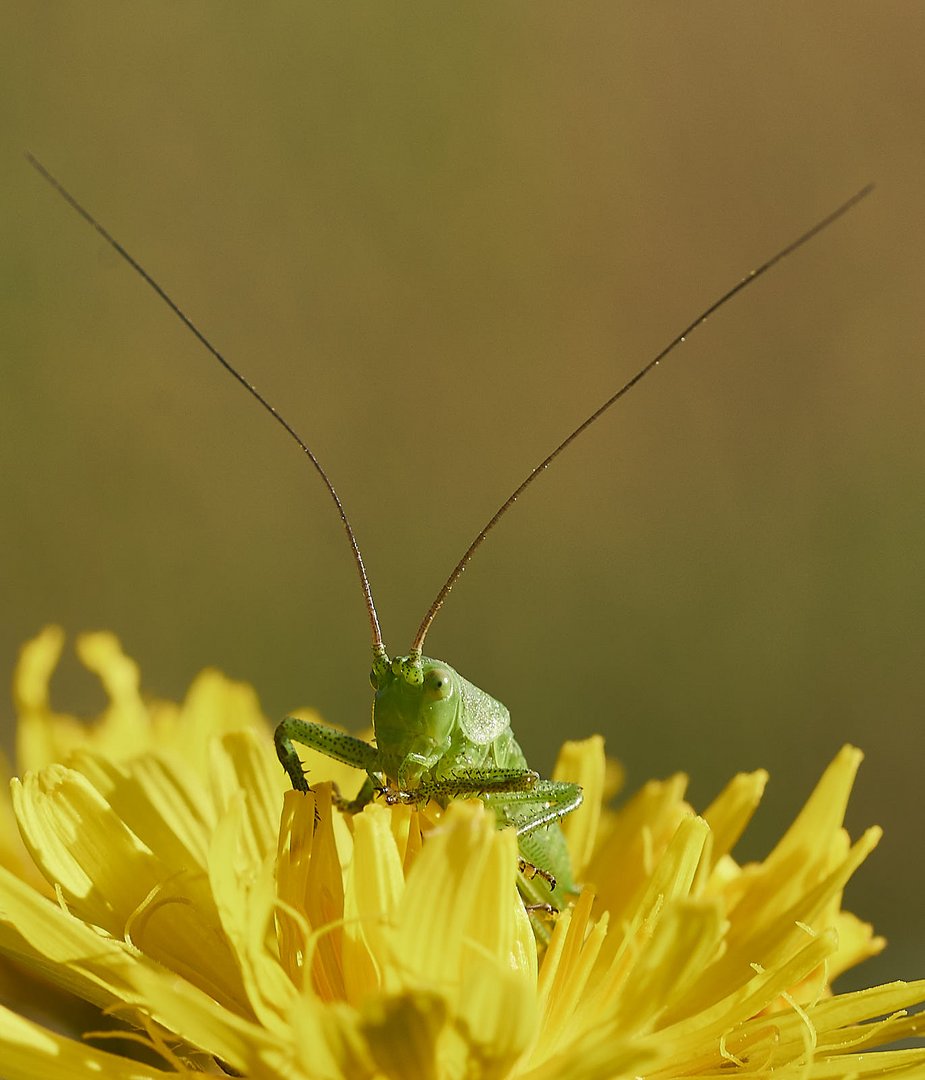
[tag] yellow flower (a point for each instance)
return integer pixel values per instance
(168, 883)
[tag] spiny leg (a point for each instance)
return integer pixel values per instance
(544, 892)
(533, 808)
(520, 800)
(365, 795)
(334, 744)
(468, 783)
(535, 817)
(527, 810)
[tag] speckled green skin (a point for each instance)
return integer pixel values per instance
(440, 737)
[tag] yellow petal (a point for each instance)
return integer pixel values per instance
(731, 811)
(404, 1033)
(31, 1052)
(582, 763)
(372, 897)
(311, 894)
(38, 659)
(443, 893)
(637, 833)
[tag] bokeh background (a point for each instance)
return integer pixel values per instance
(437, 238)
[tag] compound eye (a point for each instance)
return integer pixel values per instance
(373, 679)
(439, 681)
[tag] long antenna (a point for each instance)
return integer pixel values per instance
(418, 642)
(378, 647)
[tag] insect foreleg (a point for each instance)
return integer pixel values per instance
(365, 795)
(334, 744)
(468, 783)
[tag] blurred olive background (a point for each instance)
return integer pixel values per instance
(437, 238)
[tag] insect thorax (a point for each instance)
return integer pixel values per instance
(430, 722)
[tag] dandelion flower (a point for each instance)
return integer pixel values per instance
(168, 908)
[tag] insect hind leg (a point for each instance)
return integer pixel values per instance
(546, 802)
(531, 870)
(535, 815)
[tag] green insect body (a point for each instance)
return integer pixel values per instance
(439, 737)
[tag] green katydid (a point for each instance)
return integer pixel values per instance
(437, 735)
